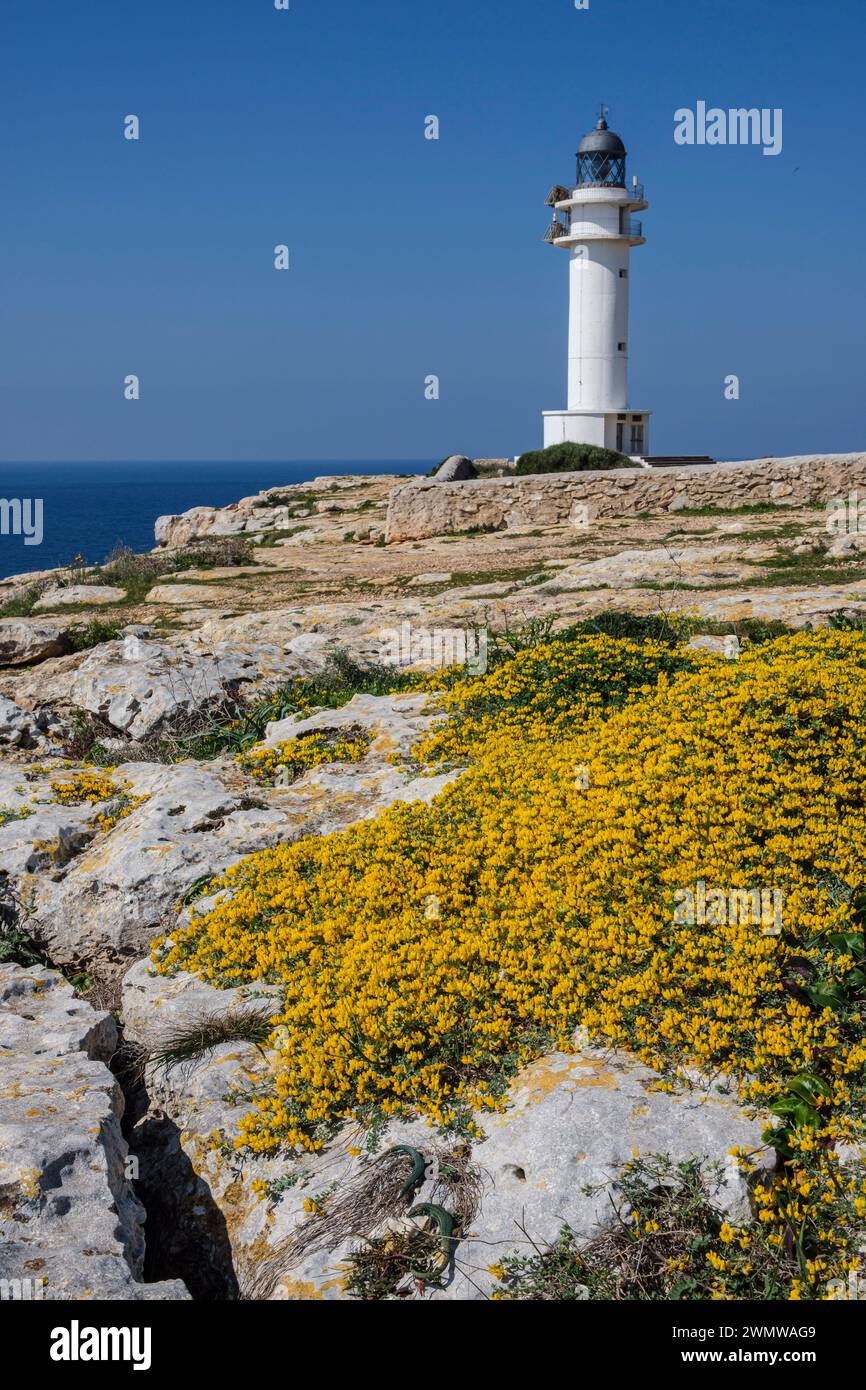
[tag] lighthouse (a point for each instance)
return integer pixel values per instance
(593, 222)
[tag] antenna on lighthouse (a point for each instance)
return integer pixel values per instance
(603, 111)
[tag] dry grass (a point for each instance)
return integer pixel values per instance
(458, 1185)
(187, 1044)
(376, 1194)
(363, 1207)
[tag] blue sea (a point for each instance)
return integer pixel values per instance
(88, 508)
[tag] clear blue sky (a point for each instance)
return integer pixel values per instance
(409, 256)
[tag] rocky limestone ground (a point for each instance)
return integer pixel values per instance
(138, 657)
(72, 1226)
(96, 890)
(570, 1124)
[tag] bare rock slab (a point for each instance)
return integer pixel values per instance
(24, 641)
(186, 595)
(21, 729)
(571, 1124)
(139, 686)
(71, 1226)
(112, 899)
(456, 469)
(76, 595)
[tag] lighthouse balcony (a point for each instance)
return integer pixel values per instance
(557, 231)
(630, 229)
(632, 199)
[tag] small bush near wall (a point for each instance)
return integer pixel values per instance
(571, 458)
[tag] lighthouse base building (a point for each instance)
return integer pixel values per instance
(625, 431)
(593, 222)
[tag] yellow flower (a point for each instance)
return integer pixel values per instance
(658, 902)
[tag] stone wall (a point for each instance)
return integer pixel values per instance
(424, 507)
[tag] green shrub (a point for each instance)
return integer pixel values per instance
(138, 573)
(81, 639)
(570, 458)
(635, 627)
(22, 605)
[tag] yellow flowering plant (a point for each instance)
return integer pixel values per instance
(285, 762)
(607, 782)
(84, 785)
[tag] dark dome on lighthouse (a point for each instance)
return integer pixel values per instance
(601, 158)
(601, 140)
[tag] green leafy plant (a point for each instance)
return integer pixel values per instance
(797, 1106)
(22, 605)
(571, 458)
(93, 635)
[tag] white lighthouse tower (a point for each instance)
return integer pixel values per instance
(598, 233)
